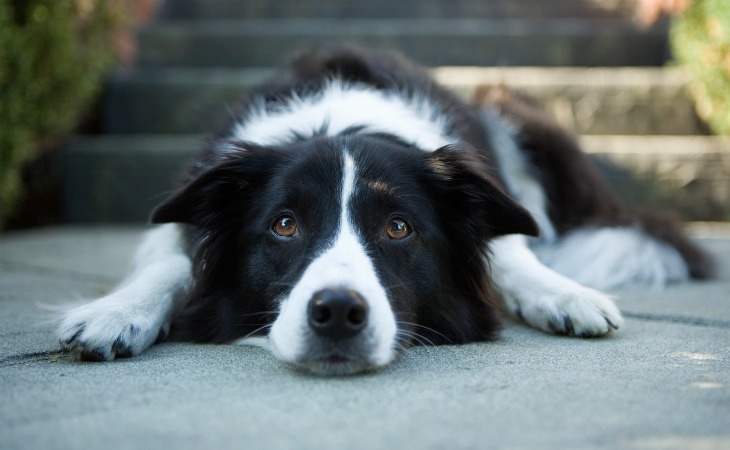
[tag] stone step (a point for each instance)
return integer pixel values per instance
(115, 179)
(175, 100)
(121, 178)
(687, 174)
(342, 9)
(605, 101)
(432, 42)
(586, 101)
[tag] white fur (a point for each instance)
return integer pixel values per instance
(515, 170)
(132, 316)
(344, 265)
(609, 258)
(340, 106)
(544, 298)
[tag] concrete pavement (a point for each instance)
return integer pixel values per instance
(662, 381)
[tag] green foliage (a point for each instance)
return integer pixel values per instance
(701, 41)
(53, 56)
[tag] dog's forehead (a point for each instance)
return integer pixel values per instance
(310, 173)
(319, 168)
(391, 179)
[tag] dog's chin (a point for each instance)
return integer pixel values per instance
(336, 365)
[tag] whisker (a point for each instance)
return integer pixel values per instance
(402, 348)
(422, 340)
(400, 322)
(255, 331)
(403, 341)
(418, 338)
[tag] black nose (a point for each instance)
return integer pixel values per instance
(338, 313)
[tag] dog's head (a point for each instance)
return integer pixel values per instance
(348, 248)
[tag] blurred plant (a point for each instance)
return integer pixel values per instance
(53, 56)
(649, 11)
(701, 41)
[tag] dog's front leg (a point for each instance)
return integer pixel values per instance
(138, 312)
(545, 299)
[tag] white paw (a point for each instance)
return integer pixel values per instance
(574, 310)
(108, 328)
(547, 300)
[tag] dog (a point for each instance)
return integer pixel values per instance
(353, 208)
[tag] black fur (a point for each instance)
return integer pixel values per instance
(241, 268)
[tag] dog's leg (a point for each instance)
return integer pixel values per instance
(138, 312)
(545, 299)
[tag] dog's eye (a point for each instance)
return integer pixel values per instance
(285, 226)
(398, 228)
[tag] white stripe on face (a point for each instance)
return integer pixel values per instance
(344, 265)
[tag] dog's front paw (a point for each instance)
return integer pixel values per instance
(573, 310)
(108, 328)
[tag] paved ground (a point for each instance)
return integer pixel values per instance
(663, 381)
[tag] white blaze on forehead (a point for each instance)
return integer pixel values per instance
(345, 264)
(348, 186)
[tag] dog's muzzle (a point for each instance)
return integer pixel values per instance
(335, 330)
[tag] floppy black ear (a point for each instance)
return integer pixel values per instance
(474, 197)
(219, 191)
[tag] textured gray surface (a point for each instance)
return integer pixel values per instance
(663, 381)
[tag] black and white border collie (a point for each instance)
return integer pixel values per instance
(354, 208)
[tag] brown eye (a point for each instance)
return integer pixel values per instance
(398, 228)
(285, 226)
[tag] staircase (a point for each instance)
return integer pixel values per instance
(596, 73)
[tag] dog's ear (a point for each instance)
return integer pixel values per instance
(218, 192)
(474, 197)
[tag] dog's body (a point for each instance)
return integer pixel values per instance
(354, 208)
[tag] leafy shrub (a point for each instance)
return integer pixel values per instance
(701, 41)
(53, 56)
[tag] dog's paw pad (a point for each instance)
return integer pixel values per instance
(92, 355)
(71, 335)
(562, 325)
(121, 349)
